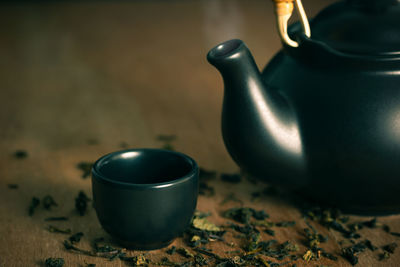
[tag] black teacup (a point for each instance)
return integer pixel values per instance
(145, 198)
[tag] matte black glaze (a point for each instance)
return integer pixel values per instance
(145, 198)
(322, 121)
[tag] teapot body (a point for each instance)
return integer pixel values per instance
(323, 118)
(349, 125)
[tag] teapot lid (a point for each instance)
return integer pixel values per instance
(363, 27)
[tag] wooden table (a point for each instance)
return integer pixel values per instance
(78, 79)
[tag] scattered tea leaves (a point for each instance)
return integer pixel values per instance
(390, 247)
(207, 253)
(369, 245)
(231, 178)
(308, 255)
(167, 141)
(86, 168)
(140, 260)
(48, 202)
(206, 175)
(243, 215)
(81, 203)
(49, 219)
(285, 224)
(384, 256)
(166, 137)
(92, 141)
(184, 252)
(349, 253)
(231, 197)
(20, 154)
(270, 232)
(168, 146)
(172, 250)
(34, 204)
(123, 145)
(54, 229)
(75, 238)
(166, 262)
(206, 190)
(204, 224)
(395, 234)
(12, 186)
(199, 260)
(112, 254)
(54, 262)
(313, 237)
(99, 245)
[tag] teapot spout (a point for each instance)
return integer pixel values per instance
(259, 126)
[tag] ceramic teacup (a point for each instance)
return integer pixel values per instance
(145, 198)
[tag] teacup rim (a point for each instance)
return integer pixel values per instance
(96, 174)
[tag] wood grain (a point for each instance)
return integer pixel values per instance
(123, 72)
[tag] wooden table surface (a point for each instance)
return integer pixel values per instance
(79, 79)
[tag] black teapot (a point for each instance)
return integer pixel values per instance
(323, 117)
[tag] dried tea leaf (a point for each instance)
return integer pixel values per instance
(270, 232)
(390, 247)
(168, 146)
(166, 262)
(349, 254)
(81, 203)
(48, 219)
(92, 141)
(243, 214)
(369, 245)
(395, 234)
(140, 260)
(206, 175)
(54, 262)
(199, 260)
(308, 255)
(264, 262)
(109, 254)
(200, 214)
(100, 247)
(166, 138)
(123, 145)
(231, 178)
(206, 190)
(53, 229)
(20, 154)
(289, 246)
(12, 186)
(285, 224)
(329, 256)
(231, 197)
(204, 224)
(75, 238)
(172, 250)
(384, 256)
(184, 252)
(48, 202)
(195, 238)
(86, 168)
(34, 204)
(253, 240)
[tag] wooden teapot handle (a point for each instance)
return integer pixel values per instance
(283, 11)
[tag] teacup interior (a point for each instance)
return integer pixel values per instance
(146, 166)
